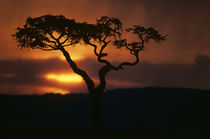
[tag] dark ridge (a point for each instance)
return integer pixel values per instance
(152, 109)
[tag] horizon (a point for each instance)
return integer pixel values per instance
(192, 90)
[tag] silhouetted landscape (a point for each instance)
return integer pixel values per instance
(136, 111)
(105, 69)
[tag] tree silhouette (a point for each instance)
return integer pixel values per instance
(50, 32)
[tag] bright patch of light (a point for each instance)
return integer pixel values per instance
(65, 78)
(55, 90)
(73, 57)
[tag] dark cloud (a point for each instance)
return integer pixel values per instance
(29, 73)
(194, 75)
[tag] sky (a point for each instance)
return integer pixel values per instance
(181, 61)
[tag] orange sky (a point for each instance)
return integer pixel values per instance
(187, 24)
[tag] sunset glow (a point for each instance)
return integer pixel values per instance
(65, 78)
(182, 60)
(74, 57)
(54, 90)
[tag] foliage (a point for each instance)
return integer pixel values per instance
(56, 32)
(39, 33)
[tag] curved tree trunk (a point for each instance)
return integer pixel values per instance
(96, 99)
(97, 115)
(95, 93)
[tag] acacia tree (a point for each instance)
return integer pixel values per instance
(50, 32)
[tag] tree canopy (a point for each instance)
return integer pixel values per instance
(51, 32)
(38, 33)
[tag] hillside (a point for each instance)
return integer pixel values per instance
(153, 109)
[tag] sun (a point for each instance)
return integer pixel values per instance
(64, 78)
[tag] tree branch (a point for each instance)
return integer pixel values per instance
(108, 67)
(65, 40)
(104, 39)
(102, 74)
(49, 41)
(52, 37)
(95, 48)
(82, 73)
(62, 34)
(68, 44)
(129, 63)
(101, 54)
(46, 49)
(102, 48)
(53, 47)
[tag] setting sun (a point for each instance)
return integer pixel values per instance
(65, 78)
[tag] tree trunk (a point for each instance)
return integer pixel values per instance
(97, 116)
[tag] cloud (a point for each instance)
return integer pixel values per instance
(194, 75)
(27, 71)
(30, 73)
(27, 75)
